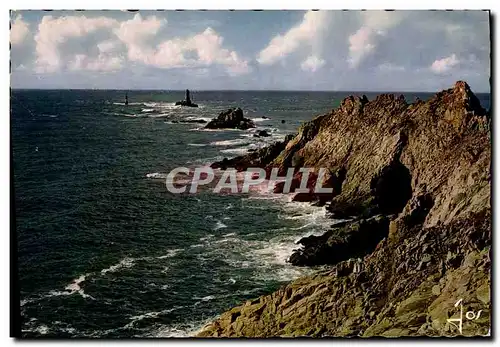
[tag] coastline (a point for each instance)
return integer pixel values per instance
(447, 172)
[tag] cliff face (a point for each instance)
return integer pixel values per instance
(423, 171)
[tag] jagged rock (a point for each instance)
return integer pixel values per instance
(232, 118)
(428, 163)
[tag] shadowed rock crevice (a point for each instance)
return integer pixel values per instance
(391, 188)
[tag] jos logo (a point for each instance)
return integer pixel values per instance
(470, 315)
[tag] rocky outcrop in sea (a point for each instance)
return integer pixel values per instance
(412, 182)
(186, 102)
(231, 119)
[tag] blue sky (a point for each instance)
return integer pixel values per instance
(290, 50)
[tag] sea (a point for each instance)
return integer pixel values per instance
(105, 250)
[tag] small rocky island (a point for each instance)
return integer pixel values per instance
(186, 102)
(231, 119)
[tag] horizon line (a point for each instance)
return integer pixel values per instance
(243, 90)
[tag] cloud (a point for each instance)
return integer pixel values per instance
(19, 30)
(364, 40)
(108, 46)
(312, 63)
(102, 63)
(134, 33)
(444, 65)
(203, 49)
(360, 45)
(54, 32)
(131, 40)
(306, 31)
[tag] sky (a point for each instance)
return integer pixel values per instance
(250, 50)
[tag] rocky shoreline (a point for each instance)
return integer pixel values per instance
(413, 181)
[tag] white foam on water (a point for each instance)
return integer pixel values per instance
(215, 130)
(169, 106)
(205, 298)
(170, 253)
(206, 119)
(219, 225)
(162, 105)
(148, 315)
(124, 263)
(182, 330)
(269, 257)
(237, 151)
(259, 119)
(197, 144)
(233, 142)
(276, 250)
(158, 175)
(206, 238)
(75, 285)
(310, 215)
(70, 289)
(40, 329)
(146, 110)
(154, 314)
(205, 161)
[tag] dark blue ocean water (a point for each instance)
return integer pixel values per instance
(104, 250)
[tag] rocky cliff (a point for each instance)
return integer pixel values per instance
(414, 180)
